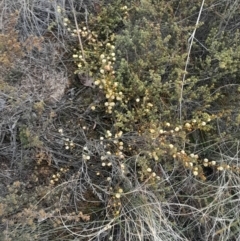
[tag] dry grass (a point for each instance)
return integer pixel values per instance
(73, 169)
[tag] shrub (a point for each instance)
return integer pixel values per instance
(145, 145)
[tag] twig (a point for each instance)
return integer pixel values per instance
(78, 32)
(188, 57)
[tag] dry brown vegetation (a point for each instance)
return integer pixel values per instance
(119, 120)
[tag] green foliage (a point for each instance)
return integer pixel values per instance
(29, 139)
(146, 146)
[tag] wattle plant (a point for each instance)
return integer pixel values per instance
(144, 144)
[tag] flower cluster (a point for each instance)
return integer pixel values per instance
(86, 154)
(114, 205)
(107, 81)
(69, 144)
(56, 177)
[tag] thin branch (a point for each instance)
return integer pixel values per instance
(188, 57)
(78, 33)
